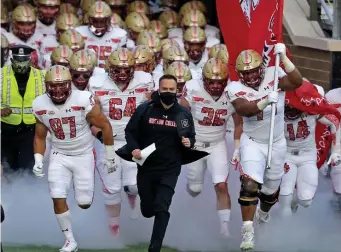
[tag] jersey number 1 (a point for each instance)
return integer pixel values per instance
(57, 126)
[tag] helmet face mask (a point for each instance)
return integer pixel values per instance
(195, 50)
(133, 34)
(99, 26)
(121, 66)
(24, 30)
(47, 13)
(292, 113)
(121, 75)
(252, 78)
(80, 78)
(58, 84)
(215, 76)
(215, 87)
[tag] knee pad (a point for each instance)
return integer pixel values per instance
(194, 189)
(131, 189)
(249, 191)
(305, 203)
(84, 206)
(112, 198)
(84, 200)
(269, 199)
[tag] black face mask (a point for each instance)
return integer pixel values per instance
(167, 98)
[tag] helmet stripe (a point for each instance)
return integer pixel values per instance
(63, 52)
(68, 19)
(124, 54)
(151, 39)
(82, 58)
(57, 72)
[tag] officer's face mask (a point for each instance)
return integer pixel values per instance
(168, 98)
(21, 63)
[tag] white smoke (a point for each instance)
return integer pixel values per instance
(193, 225)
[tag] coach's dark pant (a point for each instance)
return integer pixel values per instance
(156, 193)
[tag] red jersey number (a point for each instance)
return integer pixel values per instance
(301, 132)
(213, 117)
(117, 113)
(56, 125)
(102, 52)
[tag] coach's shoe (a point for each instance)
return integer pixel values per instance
(262, 217)
(224, 229)
(115, 230)
(248, 239)
(69, 246)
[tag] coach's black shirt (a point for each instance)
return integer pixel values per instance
(152, 123)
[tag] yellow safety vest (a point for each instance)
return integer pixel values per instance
(11, 98)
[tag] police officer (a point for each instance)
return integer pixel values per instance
(170, 127)
(20, 85)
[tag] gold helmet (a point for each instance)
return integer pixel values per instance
(4, 48)
(99, 18)
(116, 21)
(249, 66)
(61, 55)
(172, 54)
(67, 8)
(181, 72)
(170, 19)
(48, 10)
(136, 22)
(166, 43)
(160, 29)
(215, 76)
(215, 49)
(144, 58)
(150, 38)
(193, 5)
(194, 43)
(4, 18)
(58, 83)
(194, 18)
(121, 66)
(82, 65)
(73, 39)
(223, 55)
(65, 22)
(139, 7)
(24, 21)
(87, 4)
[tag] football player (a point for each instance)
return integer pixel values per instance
(47, 13)
(181, 72)
(159, 28)
(144, 59)
(73, 39)
(150, 39)
(135, 22)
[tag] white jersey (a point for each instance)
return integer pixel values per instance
(103, 46)
(210, 115)
(46, 29)
(334, 97)
(70, 130)
(212, 31)
(117, 105)
(300, 133)
(200, 65)
(258, 127)
(47, 46)
(130, 44)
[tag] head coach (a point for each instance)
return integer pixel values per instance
(170, 126)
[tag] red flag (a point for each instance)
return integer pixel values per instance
(307, 99)
(250, 24)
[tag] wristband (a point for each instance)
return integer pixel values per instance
(236, 144)
(99, 136)
(261, 105)
(288, 65)
(38, 158)
(110, 151)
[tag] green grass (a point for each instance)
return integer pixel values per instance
(140, 248)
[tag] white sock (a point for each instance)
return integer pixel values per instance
(64, 220)
(262, 213)
(247, 223)
(113, 221)
(285, 202)
(224, 215)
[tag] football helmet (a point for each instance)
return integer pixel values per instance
(99, 18)
(117, 6)
(223, 55)
(61, 56)
(24, 21)
(116, 21)
(67, 8)
(181, 72)
(291, 113)
(193, 18)
(73, 39)
(75, 3)
(166, 43)
(159, 28)
(4, 18)
(150, 39)
(85, 19)
(136, 22)
(58, 83)
(87, 4)
(121, 66)
(249, 66)
(139, 7)
(193, 5)
(215, 76)
(82, 65)
(48, 10)
(215, 49)
(170, 19)
(174, 53)
(144, 59)
(194, 43)
(4, 49)
(65, 22)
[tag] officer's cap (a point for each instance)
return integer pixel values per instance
(21, 50)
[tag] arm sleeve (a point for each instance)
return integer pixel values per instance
(281, 73)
